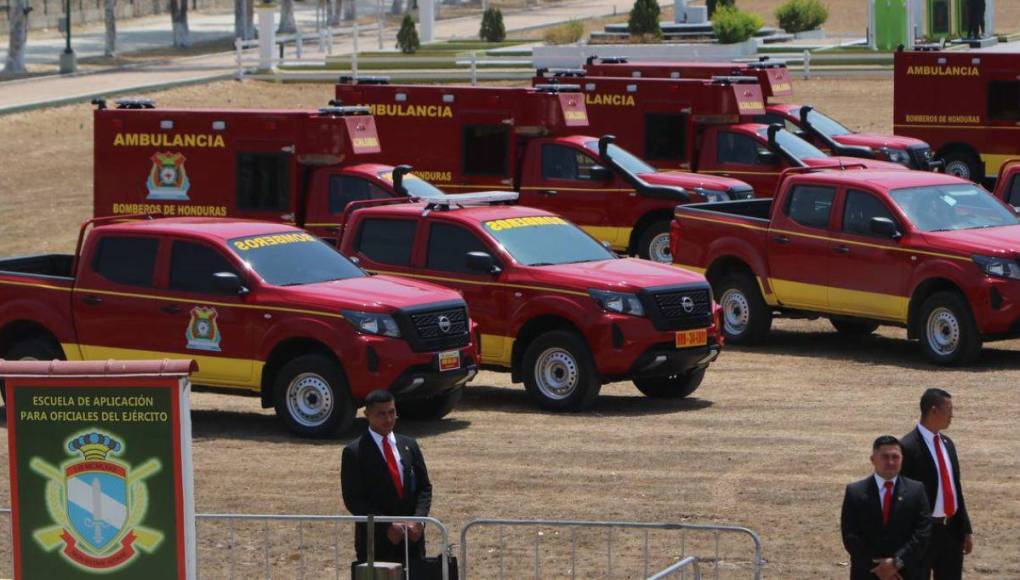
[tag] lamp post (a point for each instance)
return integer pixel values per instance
(68, 60)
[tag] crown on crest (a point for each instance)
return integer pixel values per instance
(94, 446)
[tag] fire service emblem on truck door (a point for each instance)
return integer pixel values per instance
(168, 180)
(203, 333)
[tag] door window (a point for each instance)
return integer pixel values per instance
(192, 268)
(124, 260)
(1004, 100)
(561, 162)
(741, 149)
(486, 149)
(809, 205)
(343, 189)
(858, 211)
(665, 136)
(448, 246)
(387, 241)
(263, 181)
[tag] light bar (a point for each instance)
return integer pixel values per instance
(479, 198)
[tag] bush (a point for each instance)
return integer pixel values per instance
(732, 26)
(644, 18)
(407, 38)
(713, 4)
(492, 29)
(567, 33)
(800, 15)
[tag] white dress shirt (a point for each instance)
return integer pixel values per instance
(939, 511)
(393, 447)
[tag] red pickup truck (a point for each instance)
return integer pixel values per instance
(1007, 186)
(262, 307)
(928, 251)
(554, 307)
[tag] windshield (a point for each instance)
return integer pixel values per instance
(941, 208)
(796, 146)
(826, 125)
(415, 186)
(293, 258)
(546, 241)
(623, 157)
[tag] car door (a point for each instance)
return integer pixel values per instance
(869, 273)
(445, 262)
(800, 249)
(386, 245)
(745, 158)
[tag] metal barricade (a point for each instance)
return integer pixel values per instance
(679, 568)
(715, 531)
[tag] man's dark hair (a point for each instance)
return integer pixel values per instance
(378, 396)
(886, 440)
(933, 398)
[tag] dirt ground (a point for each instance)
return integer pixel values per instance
(768, 441)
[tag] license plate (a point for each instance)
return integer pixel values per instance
(689, 338)
(449, 360)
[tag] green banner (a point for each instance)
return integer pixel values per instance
(97, 479)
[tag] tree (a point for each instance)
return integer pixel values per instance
(407, 38)
(110, 17)
(335, 12)
(396, 7)
(18, 36)
(179, 20)
(244, 25)
(287, 23)
(644, 18)
(492, 29)
(713, 4)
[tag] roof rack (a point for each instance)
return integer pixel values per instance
(135, 103)
(608, 59)
(467, 199)
(565, 72)
(734, 80)
(340, 111)
(557, 88)
(363, 80)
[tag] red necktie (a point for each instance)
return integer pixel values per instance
(948, 499)
(391, 461)
(886, 502)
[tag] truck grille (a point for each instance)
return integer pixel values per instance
(442, 328)
(680, 308)
(920, 157)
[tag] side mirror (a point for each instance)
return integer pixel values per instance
(768, 158)
(482, 262)
(884, 227)
(229, 283)
(600, 173)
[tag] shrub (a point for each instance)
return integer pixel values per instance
(407, 38)
(800, 15)
(713, 4)
(492, 29)
(567, 33)
(732, 26)
(644, 18)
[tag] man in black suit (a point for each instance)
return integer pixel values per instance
(384, 474)
(885, 520)
(930, 457)
(975, 18)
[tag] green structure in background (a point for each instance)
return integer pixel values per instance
(890, 24)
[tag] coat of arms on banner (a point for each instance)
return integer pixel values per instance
(167, 179)
(97, 505)
(203, 333)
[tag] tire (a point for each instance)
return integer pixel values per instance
(559, 372)
(965, 164)
(947, 330)
(671, 387)
(432, 408)
(38, 348)
(745, 316)
(654, 243)
(851, 327)
(312, 398)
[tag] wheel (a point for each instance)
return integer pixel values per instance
(746, 317)
(852, 327)
(948, 333)
(654, 243)
(671, 387)
(38, 348)
(432, 408)
(965, 164)
(559, 372)
(312, 398)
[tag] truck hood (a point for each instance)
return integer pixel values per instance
(624, 275)
(868, 163)
(1002, 241)
(876, 140)
(691, 181)
(371, 294)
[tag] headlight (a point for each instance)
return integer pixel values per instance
(714, 196)
(738, 193)
(895, 155)
(998, 267)
(620, 302)
(372, 323)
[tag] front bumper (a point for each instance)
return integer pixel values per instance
(628, 346)
(996, 307)
(664, 360)
(424, 381)
(374, 362)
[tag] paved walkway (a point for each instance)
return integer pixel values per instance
(56, 90)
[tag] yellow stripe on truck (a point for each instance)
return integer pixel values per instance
(618, 238)
(497, 350)
(212, 370)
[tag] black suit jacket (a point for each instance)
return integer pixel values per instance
(918, 464)
(368, 489)
(867, 538)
